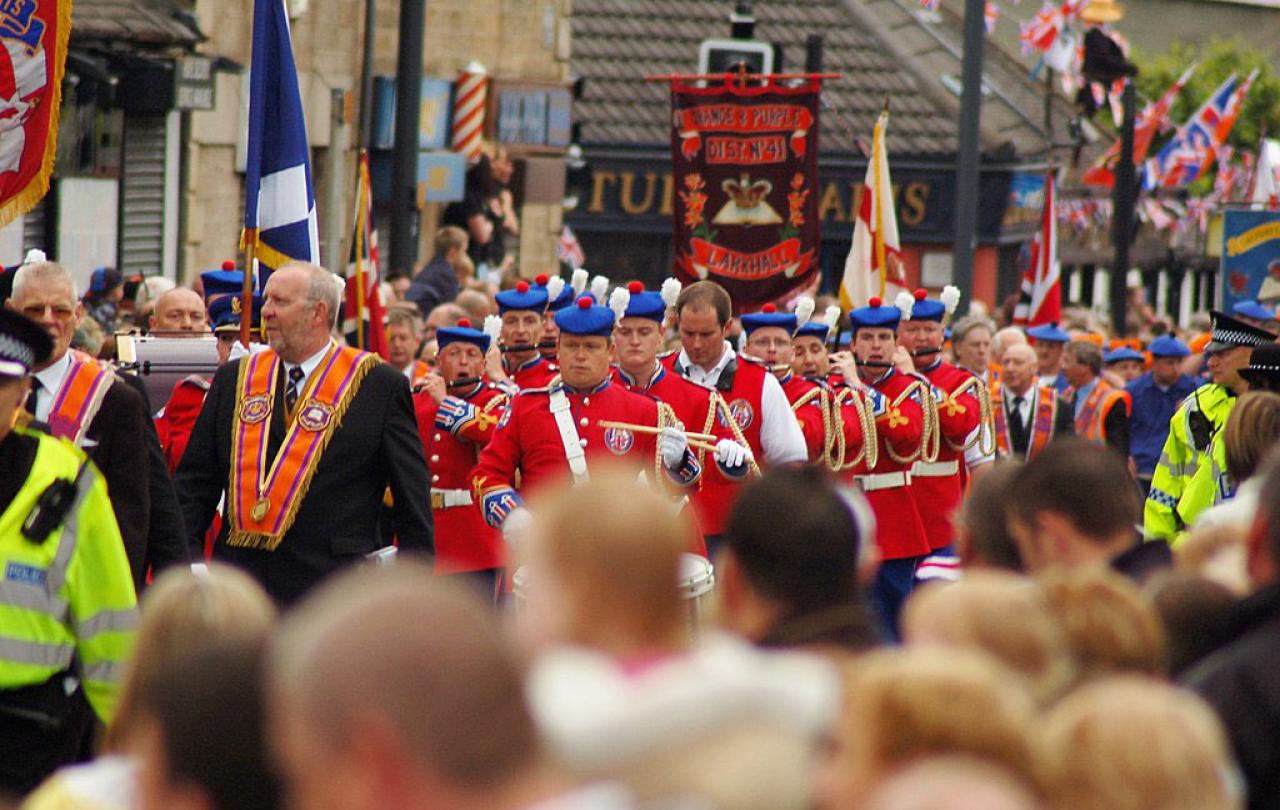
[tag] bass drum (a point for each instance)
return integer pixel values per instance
(161, 361)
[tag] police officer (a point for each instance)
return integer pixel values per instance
(67, 603)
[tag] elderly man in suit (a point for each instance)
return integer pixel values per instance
(305, 438)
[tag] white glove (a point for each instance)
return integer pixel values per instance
(731, 454)
(516, 526)
(673, 444)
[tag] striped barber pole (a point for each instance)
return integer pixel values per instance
(469, 96)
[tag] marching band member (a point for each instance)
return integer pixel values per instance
(963, 417)
(853, 429)
(559, 296)
(769, 340)
(521, 310)
(582, 415)
(906, 431)
(761, 415)
(457, 412)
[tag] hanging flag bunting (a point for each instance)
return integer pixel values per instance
(1153, 118)
(990, 16)
(279, 208)
(34, 34)
(874, 265)
(1182, 159)
(364, 313)
(1041, 296)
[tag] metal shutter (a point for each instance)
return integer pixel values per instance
(142, 195)
(33, 228)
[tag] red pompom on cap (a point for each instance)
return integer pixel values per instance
(769, 309)
(635, 287)
(585, 302)
(464, 323)
(522, 286)
(873, 302)
(921, 294)
(228, 265)
(542, 279)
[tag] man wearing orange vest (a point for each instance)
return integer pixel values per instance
(1101, 411)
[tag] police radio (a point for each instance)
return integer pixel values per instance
(51, 508)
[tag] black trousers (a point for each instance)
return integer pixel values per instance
(42, 728)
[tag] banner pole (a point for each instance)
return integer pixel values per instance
(361, 224)
(246, 286)
(877, 202)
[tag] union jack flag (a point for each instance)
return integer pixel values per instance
(1039, 33)
(569, 250)
(991, 14)
(1152, 119)
(1191, 151)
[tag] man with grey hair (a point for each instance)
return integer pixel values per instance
(1003, 339)
(372, 707)
(1100, 409)
(305, 437)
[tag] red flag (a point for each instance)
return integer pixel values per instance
(1041, 299)
(364, 314)
(1153, 118)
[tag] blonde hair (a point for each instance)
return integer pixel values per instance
(184, 612)
(1108, 626)
(1001, 614)
(906, 703)
(1134, 743)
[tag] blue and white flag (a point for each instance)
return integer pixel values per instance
(280, 203)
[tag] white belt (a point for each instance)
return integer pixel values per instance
(573, 452)
(870, 483)
(935, 469)
(449, 498)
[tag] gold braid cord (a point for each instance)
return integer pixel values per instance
(719, 406)
(666, 418)
(930, 435)
(870, 451)
(986, 421)
(824, 405)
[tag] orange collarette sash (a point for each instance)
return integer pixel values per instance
(265, 494)
(79, 397)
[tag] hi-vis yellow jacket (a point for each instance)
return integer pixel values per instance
(1182, 455)
(69, 597)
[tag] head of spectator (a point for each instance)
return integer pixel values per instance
(183, 611)
(399, 283)
(905, 704)
(300, 304)
(105, 284)
(971, 343)
(203, 743)
(1190, 608)
(982, 523)
(1072, 505)
(1130, 743)
(450, 244)
(179, 310)
(1050, 342)
(1020, 369)
(1257, 314)
(428, 351)
(1109, 628)
(45, 292)
(1230, 349)
(795, 583)
(1082, 363)
(464, 270)
(1001, 614)
(1003, 339)
(612, 590)
(368, 710)
(1167, 356)
(1125, 363)
(953, 783)
(704, 312)
(1251, 433)
(444, 315)
(403, 338)
(476, 304)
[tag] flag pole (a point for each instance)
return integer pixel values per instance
(877, 156)
(361, 224)
(246, 285)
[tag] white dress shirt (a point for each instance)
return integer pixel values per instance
(780, 435)
(50, 381)
(1026, 407)
(308, 366)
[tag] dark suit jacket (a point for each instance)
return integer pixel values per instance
(1063, 425)
(375, 446)
(116, 441)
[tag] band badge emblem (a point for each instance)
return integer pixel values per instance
(314, 416)
(618, 440)
(254, 409)
(742, 413)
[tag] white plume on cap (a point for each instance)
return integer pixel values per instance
(35, 256)
(671, 291)
(599, 288)
(492, 327)
(555, 286)
(804, 310)
(578, 282)
(831, 317)
(619, 300)
(950, 298)
(904, 302)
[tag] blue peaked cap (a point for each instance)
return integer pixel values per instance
(585, 319)
(1168, 346)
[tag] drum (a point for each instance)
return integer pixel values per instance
(161, 361)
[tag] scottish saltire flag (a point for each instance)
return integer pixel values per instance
(1040, 299)
(1191, 150)
(280, 203)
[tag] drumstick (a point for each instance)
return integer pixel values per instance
(705, 437)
